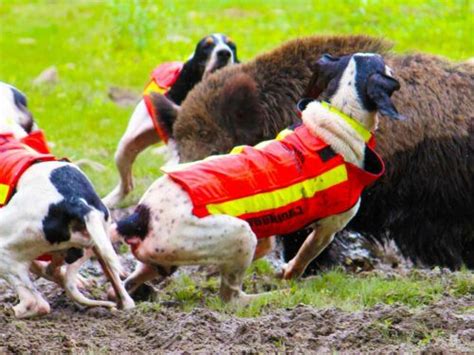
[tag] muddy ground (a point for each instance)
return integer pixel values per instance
(446, 326)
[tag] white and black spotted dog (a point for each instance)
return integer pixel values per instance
(175, 225)
(52, 213)
(213, 52)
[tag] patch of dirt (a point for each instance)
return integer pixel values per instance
(444, 326)
(447, 326)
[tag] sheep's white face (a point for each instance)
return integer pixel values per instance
(14, 116)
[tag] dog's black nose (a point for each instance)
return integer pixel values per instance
(223, 54)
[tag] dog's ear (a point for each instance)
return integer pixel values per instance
(234, 51)
(324, 70)
(26, 119)
(166, 110)
(239, 109)
(380, 88)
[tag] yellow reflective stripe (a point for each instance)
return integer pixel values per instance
(237, 149)
(283, 134)
(281, 197)
(153, 87)
(359, 128)
(4, 190)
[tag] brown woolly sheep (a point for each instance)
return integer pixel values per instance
(425, 201)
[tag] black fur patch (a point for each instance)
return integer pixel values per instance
(73, 254)
(326, 153)
(326, 77)
(135, 225)
(365, 67)
(165, 271)
(19, 98)
(22, 104)
(79, 199)
(190, 75)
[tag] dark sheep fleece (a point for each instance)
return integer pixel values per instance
(425, 201)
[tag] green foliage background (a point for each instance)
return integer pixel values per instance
(98, 44)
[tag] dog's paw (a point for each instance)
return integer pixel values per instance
(31, 309)
(289, 271)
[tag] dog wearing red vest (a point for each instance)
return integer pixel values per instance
(49, 212)
(174, 80)
(213, 211)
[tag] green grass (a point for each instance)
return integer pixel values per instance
(97, 44)
(349, 292)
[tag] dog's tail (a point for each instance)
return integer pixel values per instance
(95, 225)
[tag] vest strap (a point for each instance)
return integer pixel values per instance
(356, 125)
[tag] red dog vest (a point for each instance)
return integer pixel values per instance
(278, 186)
(161, 80)
(16, 156)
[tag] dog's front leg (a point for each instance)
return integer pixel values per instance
(141, 274)
(317, 241)
(123, 298)
(31, 303)
(144, 273)
(314, 244)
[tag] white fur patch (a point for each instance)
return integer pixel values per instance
(220, 45)
(11, 116)
(346, 97)
(335, 131)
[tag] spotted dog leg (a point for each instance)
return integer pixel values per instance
(317, 241)
(31, 303)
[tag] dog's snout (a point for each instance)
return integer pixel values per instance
(134, 242)
(223, 54)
